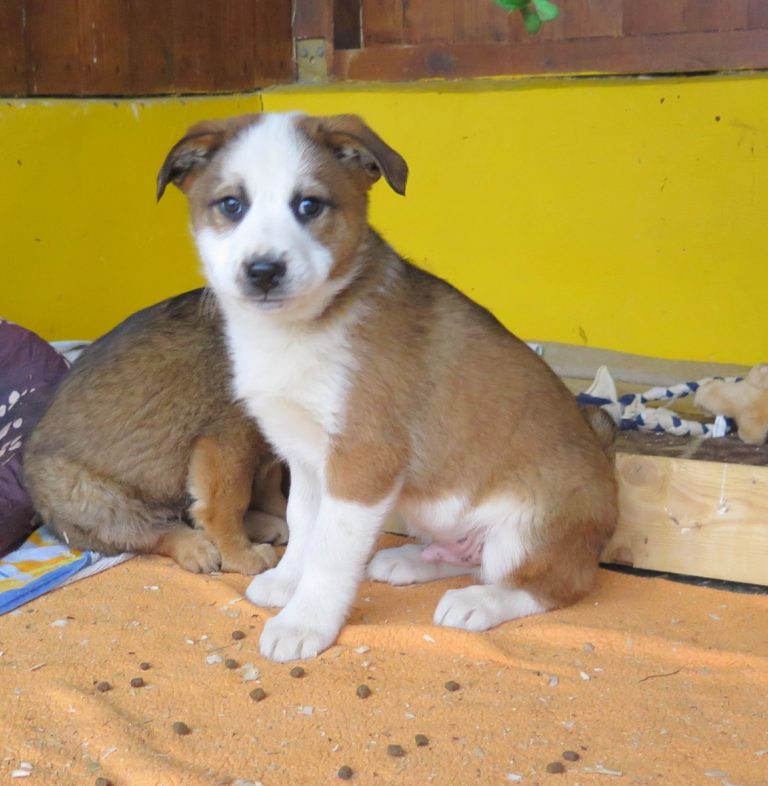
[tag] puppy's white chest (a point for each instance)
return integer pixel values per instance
(296, 386)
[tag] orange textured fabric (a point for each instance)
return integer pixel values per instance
(648, 681)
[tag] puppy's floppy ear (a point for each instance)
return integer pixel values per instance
(196, 148)
(354, 143)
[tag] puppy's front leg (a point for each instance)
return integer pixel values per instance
(334, 561)
(275, 587)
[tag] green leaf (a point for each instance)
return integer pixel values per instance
(531, 20)
(547, 11)
(512, 5)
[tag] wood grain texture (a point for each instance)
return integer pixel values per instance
(654, 16)
(428, 21)
(54, 47)
(692, 517)
(103, 46)
(13, 48)
(151, 38)
(715, 15)
(688, 52)
(592, 18)
(382, 22)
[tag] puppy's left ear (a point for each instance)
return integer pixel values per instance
(190, 155)
(353, 142)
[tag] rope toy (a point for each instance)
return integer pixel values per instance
(631, 412)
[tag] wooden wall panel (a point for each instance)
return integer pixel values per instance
(13, 52)
(382, 22)
(273, 41)
(103, 44)
(428, 21)
(150, 32)
(53, 40)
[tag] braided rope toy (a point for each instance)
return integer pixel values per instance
(631, 412)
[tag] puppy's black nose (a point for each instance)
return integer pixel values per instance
(264, 273)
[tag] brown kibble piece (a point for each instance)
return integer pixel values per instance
(363, 691)
(345, 772)
(555, 767)
(103, 782)
(297, 671)
(237, 635)
(179, 727)
(137, 682)
(144, 666)
(452, 686)
(103, 686)
(258, 694)
(395, 750)
(231, 663)
(422, 740)
(571, 756)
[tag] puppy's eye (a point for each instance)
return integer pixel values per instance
(307, 208)
(231, 207)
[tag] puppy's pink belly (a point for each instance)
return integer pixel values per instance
(465, 551)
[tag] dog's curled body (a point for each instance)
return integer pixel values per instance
(387, 389)
(143, 432)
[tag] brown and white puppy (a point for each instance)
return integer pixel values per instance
(143, 432)
(384, 388)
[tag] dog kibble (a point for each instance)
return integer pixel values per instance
(103, 687)
(571, 756)
(231, 663)
(395, 750)
(258, 694)
(452, 686)
(345, 772)
(422, 740)
(137, 682)
(179, 727)
(238, 635)
(555, 767)
(144, 666)
(297, 672)
(363, 691)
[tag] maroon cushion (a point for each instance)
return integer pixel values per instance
(30, 369)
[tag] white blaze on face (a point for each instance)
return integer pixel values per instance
(269, 165)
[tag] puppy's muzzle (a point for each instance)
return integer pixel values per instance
(264, 273)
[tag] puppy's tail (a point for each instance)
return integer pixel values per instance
(602, 424)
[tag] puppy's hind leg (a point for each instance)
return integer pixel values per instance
(220, 480)
(404, 565)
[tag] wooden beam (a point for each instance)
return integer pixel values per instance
(701, 518)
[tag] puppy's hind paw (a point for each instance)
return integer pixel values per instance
(265, 528)
(484, 606)
(282, 641)
(404, 565)
(250, 562)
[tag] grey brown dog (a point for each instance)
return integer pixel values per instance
(144, 438)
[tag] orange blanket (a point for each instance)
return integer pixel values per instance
(646, 682)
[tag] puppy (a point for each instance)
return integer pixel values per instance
(143, 431)
(384, 388)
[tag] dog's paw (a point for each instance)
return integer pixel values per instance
(252, 561)
(404, 565)
(191, 549)
(283, 640)
(271, 588)
(265, 528)
(484, 606)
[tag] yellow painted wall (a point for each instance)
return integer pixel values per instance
(623, 214)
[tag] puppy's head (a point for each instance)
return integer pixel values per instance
(279, 203)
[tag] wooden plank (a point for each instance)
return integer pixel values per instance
(13, 49)
(480, 22)
(382, 22)
(192, 45)
(686, 52)
(232, 44)
(719, 15)
(428, 21)
(654, 16)
(151, 47)
(592, 18)
(54, 48)
(757, 14)
(692, 517)
(313, 19)
(103, 27)
(273, 48)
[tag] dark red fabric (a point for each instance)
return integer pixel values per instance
(30, 369)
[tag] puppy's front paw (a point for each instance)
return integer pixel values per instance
(286, 640)
(270, 589)
(402, 565)
(191, 549)
(251, 561)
